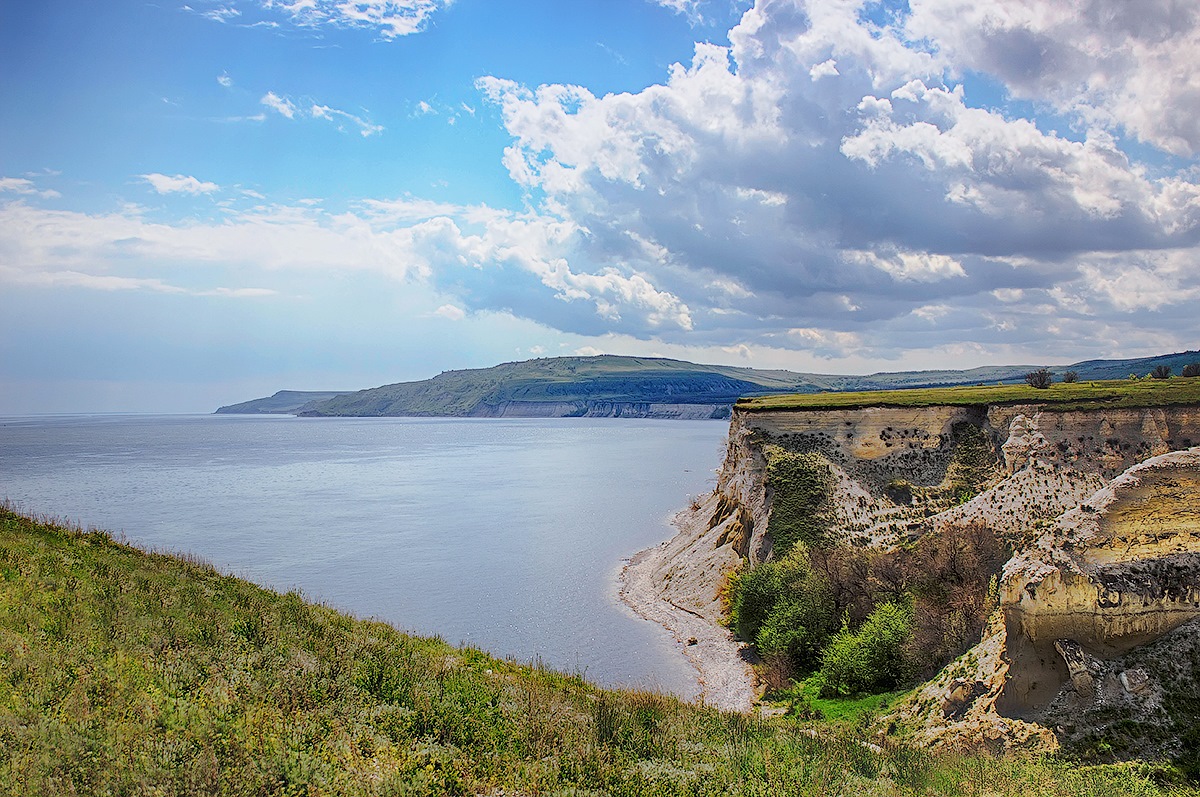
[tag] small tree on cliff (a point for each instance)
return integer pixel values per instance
(1040, 379)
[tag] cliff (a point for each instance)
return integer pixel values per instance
(1098, 496)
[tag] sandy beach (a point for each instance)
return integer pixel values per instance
(674, 584)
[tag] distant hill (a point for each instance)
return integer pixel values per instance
(647, 387)
(284, 402)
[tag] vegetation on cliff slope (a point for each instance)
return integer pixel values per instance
(123, 672)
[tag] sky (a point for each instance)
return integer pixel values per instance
(204, 202)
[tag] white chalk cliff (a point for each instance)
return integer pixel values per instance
(1102, 505)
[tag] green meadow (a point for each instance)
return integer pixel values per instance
(131, 673)
(1060, 396)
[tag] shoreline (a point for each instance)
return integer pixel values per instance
(659, 586)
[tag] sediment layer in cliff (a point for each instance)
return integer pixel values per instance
(1096, 501)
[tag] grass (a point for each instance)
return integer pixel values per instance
(804, 702)
(130, 673)
(1117, 394)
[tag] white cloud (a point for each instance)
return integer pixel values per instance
(225, 80)
(488, 259)
(450, 312)
(286, 107)
(831, 169)
(365, 128)
(280, 105)
(21, 185)
(391, 18)
(221, 14)
(179, 184)
(1128, 64)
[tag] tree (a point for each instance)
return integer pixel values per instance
(1071, 376)
(1161, 372)
(872, 658)
(1191, 370)
(1040, 379)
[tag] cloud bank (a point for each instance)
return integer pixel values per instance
(827, 183)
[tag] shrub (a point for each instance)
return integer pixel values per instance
(758, 590)
(1161, 372)
(1191, 370)
(786, 610)
(1070, 377)
(1040, 379)
(871, 659)
(798, 627)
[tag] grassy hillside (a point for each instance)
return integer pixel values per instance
(123, 672)
(1117, 393)
(587, 381)
(565, 379)
(285, 401)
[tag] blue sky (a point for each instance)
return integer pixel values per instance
(202, 202)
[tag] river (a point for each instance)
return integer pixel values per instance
(504, 534)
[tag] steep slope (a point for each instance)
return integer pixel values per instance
(1096, 489)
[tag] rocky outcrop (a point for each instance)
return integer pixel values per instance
(1098, 629)
(1115, 573)
(1101, 503)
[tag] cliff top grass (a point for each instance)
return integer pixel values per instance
(124, 672)
(1059, 397)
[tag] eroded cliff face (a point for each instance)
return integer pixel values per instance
(1098, 627)
(900, 472)
(1101, 504)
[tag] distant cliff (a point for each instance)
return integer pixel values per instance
(637, 387)
(285, 402)
(1097, 487)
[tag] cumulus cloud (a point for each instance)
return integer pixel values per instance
(178, 184)
(489, 259)
(829, 167)
(450, 312)
(1132, 65)
(826, 184)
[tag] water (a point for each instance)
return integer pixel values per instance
(505, 534)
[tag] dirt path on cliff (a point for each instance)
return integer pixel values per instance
(651, 585)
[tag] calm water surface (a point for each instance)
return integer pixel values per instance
(506, 534)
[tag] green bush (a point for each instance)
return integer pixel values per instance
(798, 627)
(785, 609)
(757, 593)
(871, 659)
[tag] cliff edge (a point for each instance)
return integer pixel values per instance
(1096, 611)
